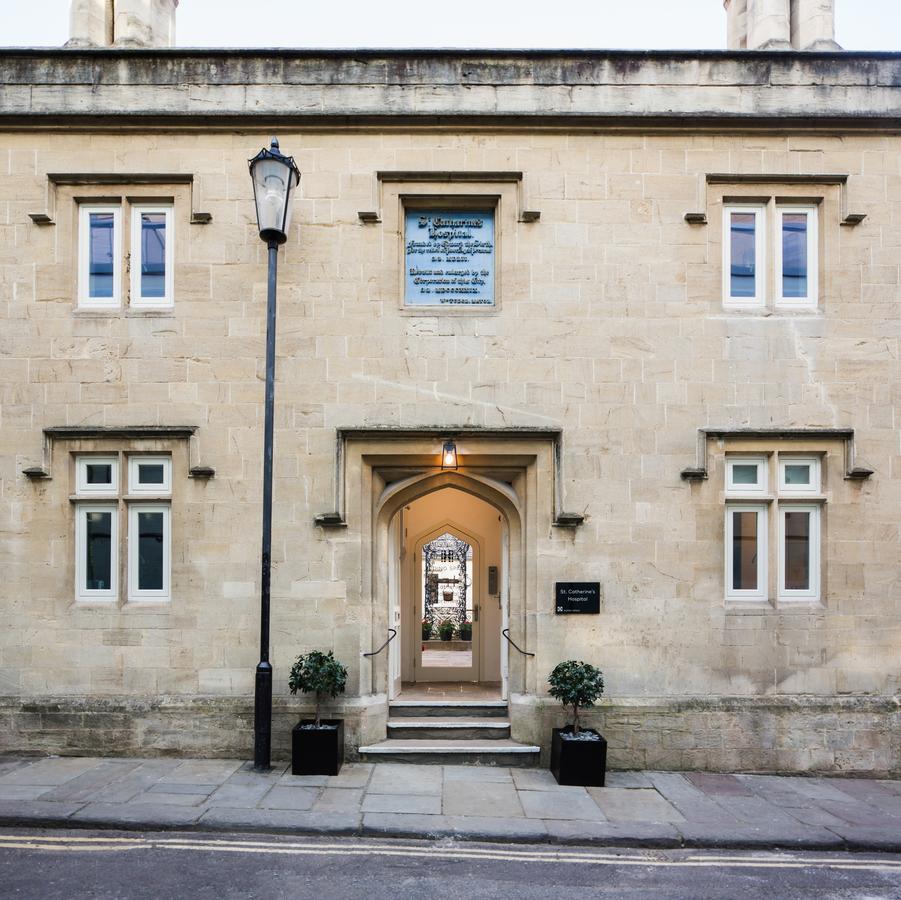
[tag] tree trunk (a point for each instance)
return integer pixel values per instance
(575, 718)
(318, 705)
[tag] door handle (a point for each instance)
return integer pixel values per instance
(475, 613)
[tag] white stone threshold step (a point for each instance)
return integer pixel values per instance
(480, 704)
(449, 722)
(409, 745)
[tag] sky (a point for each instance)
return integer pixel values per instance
(608, 24)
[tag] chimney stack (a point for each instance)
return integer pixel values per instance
(780, 25)
(813, 25)
(122, 23)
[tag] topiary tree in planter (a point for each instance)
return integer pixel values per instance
(578, 756)
(319, 673)
(446, 629)
(317, 746)
(576, 684)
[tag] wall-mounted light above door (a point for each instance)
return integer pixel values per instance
(449, 455)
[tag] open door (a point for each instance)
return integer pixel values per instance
(505, 612)
(395, 648)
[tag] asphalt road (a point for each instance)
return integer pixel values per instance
(50, 864)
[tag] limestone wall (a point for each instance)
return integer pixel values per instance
(610, 326)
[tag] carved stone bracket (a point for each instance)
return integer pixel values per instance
(132, 432)
(700, 218)
(853, 472)
(55, 179)
(337, 518)
(371, 217)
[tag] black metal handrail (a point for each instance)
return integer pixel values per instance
(506, 634)
(390, 639)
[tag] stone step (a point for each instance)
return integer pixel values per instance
(449, 727)
(504, 752)
(471, 709)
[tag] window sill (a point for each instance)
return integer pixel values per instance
(734, 606)
(752, 306)
(801, 606)
(128, 312)
(150, 311)
(767, 312)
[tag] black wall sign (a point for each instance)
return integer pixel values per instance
(577, 597)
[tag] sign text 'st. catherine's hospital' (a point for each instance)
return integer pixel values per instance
(449, 257)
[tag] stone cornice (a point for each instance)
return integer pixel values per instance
(664, 89)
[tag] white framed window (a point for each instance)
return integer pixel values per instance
(796, 256)
(799, 551)
(799, 475)
(746, 551)
(152, 256)
(149, 548)
(97, 476)
(150, 475)
(744, 255)
(96, 551)
(99, 256)
(746, 475)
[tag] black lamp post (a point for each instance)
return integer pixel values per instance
(274, 179)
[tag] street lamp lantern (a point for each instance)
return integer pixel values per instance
(274, 179)
(275, 176)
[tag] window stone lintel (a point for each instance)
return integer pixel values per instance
(853, 472)
(122, 433)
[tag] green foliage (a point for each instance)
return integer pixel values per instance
(319, 673)
(446, 629)
(466, 630)
(426, 629)
(576, 684)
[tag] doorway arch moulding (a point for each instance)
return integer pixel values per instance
(517, 471)
(478, 448)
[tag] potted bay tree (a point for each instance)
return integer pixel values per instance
(578, 755)
(317, 745)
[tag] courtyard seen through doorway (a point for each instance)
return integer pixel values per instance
(447, 602)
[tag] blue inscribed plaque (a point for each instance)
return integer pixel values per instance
(449, 257)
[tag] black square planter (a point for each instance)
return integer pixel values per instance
(317, 751)
(578, 762)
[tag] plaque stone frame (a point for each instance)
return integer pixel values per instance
(411, 191)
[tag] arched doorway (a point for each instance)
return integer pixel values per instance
(448, 549)
(450, 588)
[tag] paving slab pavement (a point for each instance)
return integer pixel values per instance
(652, 809)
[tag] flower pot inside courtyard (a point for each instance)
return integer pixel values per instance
(317, 751)
(578, 761)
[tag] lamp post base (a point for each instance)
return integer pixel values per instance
(262, 718)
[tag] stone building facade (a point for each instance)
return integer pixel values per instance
(644, 403)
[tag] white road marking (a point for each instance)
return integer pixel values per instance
(77, 844)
